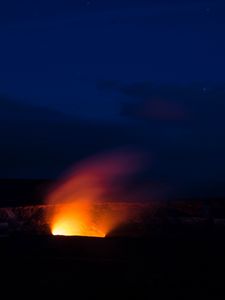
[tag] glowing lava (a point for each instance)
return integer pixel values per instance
(75, 209)
(75, 219)
(72, 228)
(65, 228)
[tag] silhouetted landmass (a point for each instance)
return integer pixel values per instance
(20, 192)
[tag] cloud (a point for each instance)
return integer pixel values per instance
(155, 109)
(41, 142)
(196, 103)
(187, 148)
(183, 126)
(11, 110)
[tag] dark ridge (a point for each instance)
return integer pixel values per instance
(20, 192)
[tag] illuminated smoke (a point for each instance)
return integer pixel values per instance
(87, 202)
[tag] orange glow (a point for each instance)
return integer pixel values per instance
(74, 220)
(71, 230)
(78, 204)
(70, 227)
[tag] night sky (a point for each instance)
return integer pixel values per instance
(79, 77)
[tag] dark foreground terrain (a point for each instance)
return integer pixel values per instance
(181, 254)
(172, 265)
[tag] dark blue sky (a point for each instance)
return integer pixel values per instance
(54, 52)
(78, 77)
